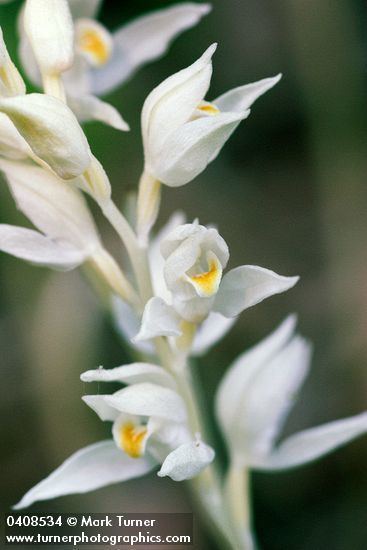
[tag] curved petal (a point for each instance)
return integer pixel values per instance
(190, 148)
(128, 324)
(187, 461)
(98, 404)
(246, 286)
(314, 443)
(149, 400)
(244, 400)
(156, 260)
(241, 98)
(172, 103)
(49, 28)
(90, 468)
(89, 107)
(211, 331)
(53, 206)
(144, 40)
(134, 373)
(159, 319)
(36, 248)
(51, 130)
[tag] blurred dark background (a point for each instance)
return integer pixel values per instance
(288, 192)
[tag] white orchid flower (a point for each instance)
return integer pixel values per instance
(254, 399)
(182, 133)
(104, 60)
(128, 324)
(66, 236)
(194, 260)
(149, 429)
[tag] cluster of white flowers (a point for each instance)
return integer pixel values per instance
(178, 300)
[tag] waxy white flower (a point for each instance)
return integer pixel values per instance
(149, 428)
(254, 399)
(182, 133)
(104, 60)
(194, 260)
(208, 333)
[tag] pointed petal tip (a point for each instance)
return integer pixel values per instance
(204, 9)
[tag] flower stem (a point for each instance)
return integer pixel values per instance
(237, 499)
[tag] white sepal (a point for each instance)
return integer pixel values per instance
(159, 319)
(247, 285)
(98, 404)
(89, 107)
(53, 206)
(144, 40)
(314, 443)
(128, 324)
(148, 399)
(38, 249)
(134, 373)
(171, 104)
(190, 148)
(258, 390)
(52, 132)
(187, 461)
(90, 468)
(11, 82)
(241, 98)
(49, 28)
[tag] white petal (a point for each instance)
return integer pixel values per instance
(36, 248)
(241, 98)
(266, 402)
(25, 52)
(159, 319)
(84, 8)
(49, 27)
(189, 149)
(51, 130)
(248, 285)
(213, 329)
(99, 405)
(53, 205)
(149, 400)
(90, 468)
(11, 82)
(128, 324)
(171, 103)
(131, 374)
(314, 443)
(187, 461)
(240, 380)
(89, 107)
(144, 40)
(12, 145)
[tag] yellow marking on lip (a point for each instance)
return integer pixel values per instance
(208, 108)
(207, 283)
(92, 43)
(132, 439)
